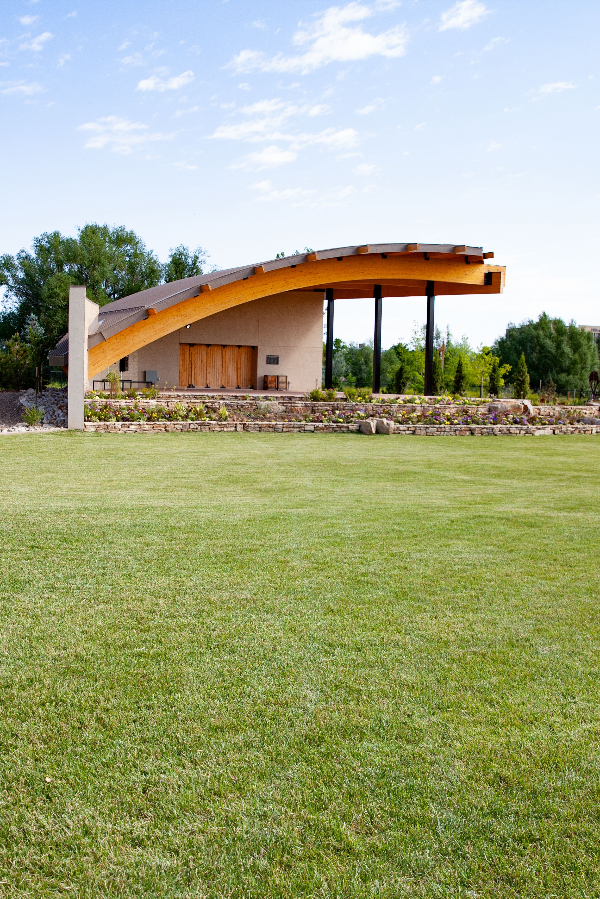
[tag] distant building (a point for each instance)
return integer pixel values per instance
(595, 329)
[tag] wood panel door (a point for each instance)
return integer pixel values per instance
(230, 367)
(202, 365)
(186, 351)
(246, 374)
(214, 366)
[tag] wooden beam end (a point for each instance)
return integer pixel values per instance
(462, 249)
(259, 269)
(412, 247)
(312, 257)
(151, 311)
(364, 249)
(488, 255)
(205, 288)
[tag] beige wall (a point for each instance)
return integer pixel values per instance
(286, 325)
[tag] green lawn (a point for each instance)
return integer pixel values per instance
(238, 665)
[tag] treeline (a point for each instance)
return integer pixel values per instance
(112, 262)
(547, 356)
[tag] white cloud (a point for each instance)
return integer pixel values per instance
(420, 125)
(135, 59)
(259, 24)
(28, 20)
(124, 45)
(20, 88)
(319, 109)
(303, 196)
(269, 158)
(71, 15)
(463, 14)
(495, 42)
(37, 43)
(365, 169)
(373, 106)
(185, 166)
(119, 135)
(154, 83)
(436, 79)
(334, 36)
(63, 59)
(244, 87)
(493, 145)
(556, 88)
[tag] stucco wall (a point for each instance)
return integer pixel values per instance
(286, 325)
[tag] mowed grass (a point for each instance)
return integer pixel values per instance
(238, 665)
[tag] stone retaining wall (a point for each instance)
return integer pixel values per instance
(299, 427)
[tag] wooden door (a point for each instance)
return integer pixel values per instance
(230, 367)
(185, 354)
(214, 366)
(202, 365)
(246, 375)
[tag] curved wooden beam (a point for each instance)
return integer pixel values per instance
(451, 272)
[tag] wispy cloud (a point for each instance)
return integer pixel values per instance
(37, 43)
(269, 158)
(120, 135)
(28, 20)
(154, 83)
(493, 145)
(63, 59)
(185, 166)
(463, 14)
(365, 168)
(334, 36)
(303, 196)
(373, 106)
(436, 79)
(495, 42)
(21, 88)
(71, 15)
(556, 88)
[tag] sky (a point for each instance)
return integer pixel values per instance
(251, 128)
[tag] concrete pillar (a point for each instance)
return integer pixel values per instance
(82, 313)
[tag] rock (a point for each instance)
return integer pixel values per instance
(367, 427)
(385, 426)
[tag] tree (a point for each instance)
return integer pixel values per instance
(553, 349)
(183, 263)
(521, 379)
(438, 374)
(460, 379)
(494, 378)
(112, 262)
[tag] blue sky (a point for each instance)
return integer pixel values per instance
(250, 128)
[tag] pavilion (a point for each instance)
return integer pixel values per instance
(229, 329)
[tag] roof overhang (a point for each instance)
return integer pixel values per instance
(402, 270)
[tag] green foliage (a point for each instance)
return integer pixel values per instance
(459, 380)
(330, 395)
(33, 416)
(521, 379)
(150, 393)
(317, 395)
(350, 394)
(553, 349)
(184, 263)
(494, 378)
(111, 262)
(438, 374)
(222, 414)
(17, 371)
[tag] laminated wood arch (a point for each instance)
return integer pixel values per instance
(399, 269)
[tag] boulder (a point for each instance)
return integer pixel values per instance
(385, 426)
(367, 426)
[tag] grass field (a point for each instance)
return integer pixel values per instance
(299, 666)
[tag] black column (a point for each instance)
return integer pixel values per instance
(329, 340)
(429, 339)
(377, 340)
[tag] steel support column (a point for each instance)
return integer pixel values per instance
(377, 339)
(329, 340)
(429, 339)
